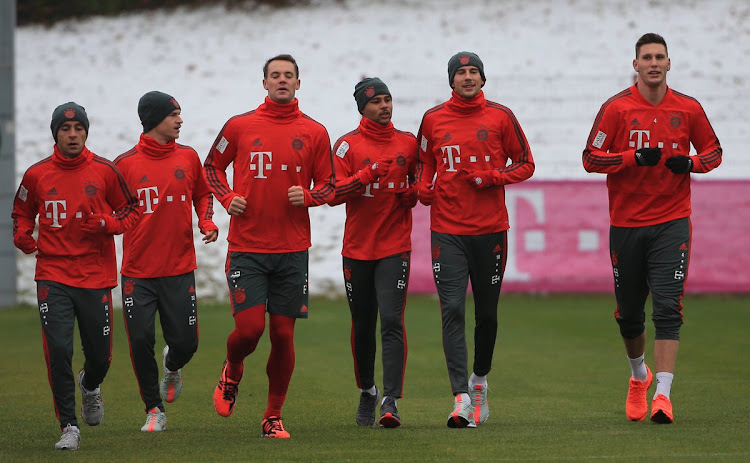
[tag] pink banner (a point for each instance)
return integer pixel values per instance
(559, 238)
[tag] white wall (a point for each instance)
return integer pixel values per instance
(552, 62)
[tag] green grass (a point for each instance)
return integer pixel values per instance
(557, 392)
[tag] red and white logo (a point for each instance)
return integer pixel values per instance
(370, 91)
(463, 59)
(174, 102)
(239, 296)
(70, 113)
(128, 287)
(435, 251)
(43, 292)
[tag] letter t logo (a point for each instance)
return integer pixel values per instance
(57, 213)
(451, 153)
(260, 166)
(148, 199)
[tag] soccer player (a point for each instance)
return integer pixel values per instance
(465, 145)
(374, 164)
(81, 200)
(641, 139)
(277, 152)
(158, 254)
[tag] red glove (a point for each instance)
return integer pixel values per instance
(425, 193)
(98, 223)
(407, 197)
(482, 178)
(25, 242)
(374, 171)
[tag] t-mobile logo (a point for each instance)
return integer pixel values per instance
(452, 155)
(57, 213)
(260, 165)
(148, 197)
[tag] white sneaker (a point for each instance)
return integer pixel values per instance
(171, 382)
(479, 403)
(462, 415)
(156, 421)
(92, 405)
(70, 439)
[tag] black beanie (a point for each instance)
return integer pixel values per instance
(367, 89)
(464, 58)
(68, 112)
(153, 107)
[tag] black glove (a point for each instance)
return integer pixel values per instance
(647, 156)
(679, 164)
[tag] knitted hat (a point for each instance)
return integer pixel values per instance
(68, 112)
(464, 58)
(367, 89)
(153, 107)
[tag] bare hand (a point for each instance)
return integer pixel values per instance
(296, 195)
(237, 206)
(211, 236)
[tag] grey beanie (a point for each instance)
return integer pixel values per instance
(68, 112)
(153, 107)
(367, 89)
(464, 58)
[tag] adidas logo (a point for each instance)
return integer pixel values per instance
(257, 142)
(447, 136)
(53, 191)
(683, 247)
(104, 299)
(304, 309)
(497, 249)
(191, 289)
(143, 179)
(635, 122)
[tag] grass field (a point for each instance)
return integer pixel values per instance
(557, 392)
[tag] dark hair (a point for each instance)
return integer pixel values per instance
(649, 38)
(282, 57)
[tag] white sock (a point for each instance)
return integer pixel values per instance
(465, 397)
(663, 383)
(371, 391)
(638, 368)
(474, 380)
(395, 401)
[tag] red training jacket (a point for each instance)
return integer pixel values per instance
(272, 148)
(470, 134)
(377, 225)
(641, 196)
(63, 192)
(167, 179)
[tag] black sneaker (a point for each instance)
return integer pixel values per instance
(366, 409)
(389, 414)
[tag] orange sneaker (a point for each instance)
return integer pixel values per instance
(661, 410)
(636, 405)
(225, 393)
(274, 428)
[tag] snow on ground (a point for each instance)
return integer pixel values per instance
(553, 62)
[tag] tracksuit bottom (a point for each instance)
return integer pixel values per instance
(59, 306)
(174, 298)
(456, 259)
(378, 287)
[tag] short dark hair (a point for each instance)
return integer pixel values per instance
(282, 57)
(649, 38)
